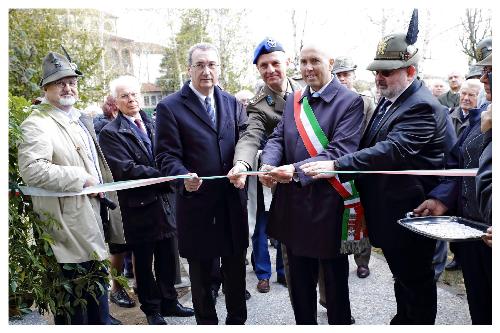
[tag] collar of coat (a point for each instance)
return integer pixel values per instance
(125, 123)
(192, 102)
(328, 94)
(59, 116)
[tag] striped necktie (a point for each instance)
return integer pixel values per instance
(210, 109)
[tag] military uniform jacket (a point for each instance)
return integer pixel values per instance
(368, 109)
(264, 113)
(449, 99)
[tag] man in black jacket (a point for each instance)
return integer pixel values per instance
(147, 215)
(409, 130)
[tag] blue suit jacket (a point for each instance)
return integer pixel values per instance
(306, 216)
(212, 221)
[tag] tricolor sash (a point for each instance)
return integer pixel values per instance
(354, 234)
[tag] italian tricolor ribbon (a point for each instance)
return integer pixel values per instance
(354, 234)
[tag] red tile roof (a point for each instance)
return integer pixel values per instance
(150, 87)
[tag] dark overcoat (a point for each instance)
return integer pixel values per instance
(307, 215)
(147, 212)
(415, 133)
(212, 221)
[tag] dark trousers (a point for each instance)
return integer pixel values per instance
(476, 261)
(155, 292)
(414, 284)
(303, 281)
(216, 274)
(95, 313)
(233, 275)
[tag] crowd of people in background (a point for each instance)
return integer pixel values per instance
(296, 131)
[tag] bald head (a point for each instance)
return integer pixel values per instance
(318, 48)
(316, 65)
(455, 80)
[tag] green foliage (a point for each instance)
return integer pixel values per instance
(174, 64)
(232, 42)
(221, 27)
(34, 273)
(35, 32)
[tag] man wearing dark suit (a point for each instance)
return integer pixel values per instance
(148, 217)
(306, 215)
(197, 129)
(413, 132)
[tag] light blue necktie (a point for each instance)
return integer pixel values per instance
(210, 110)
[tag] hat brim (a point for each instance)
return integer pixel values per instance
(486, 61)
(343, 69)
(380, 65)
(59, 75)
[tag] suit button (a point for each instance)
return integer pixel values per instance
(142, 203)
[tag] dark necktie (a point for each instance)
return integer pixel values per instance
(314, 97)
(210, 110)
(139, 124)
(380, 114)
(144, 137)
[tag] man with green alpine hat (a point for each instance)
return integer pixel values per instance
(59, 152)
(409, 130)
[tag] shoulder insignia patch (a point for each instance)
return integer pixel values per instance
(254, 100)
(269, 100)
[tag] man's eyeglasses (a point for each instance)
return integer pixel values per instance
(132, 95)
(384, 73)
(200, 66)
(62, 83)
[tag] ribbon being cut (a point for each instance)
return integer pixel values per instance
(354, 235)
(126, 184)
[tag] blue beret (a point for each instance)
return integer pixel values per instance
(268, 45)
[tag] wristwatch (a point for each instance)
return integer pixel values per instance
(336, 165)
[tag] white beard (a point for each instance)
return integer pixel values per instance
(67, 101)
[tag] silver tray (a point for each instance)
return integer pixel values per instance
(448, 228)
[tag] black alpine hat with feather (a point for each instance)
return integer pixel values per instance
(397, 50)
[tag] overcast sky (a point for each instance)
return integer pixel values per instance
(344, 31)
